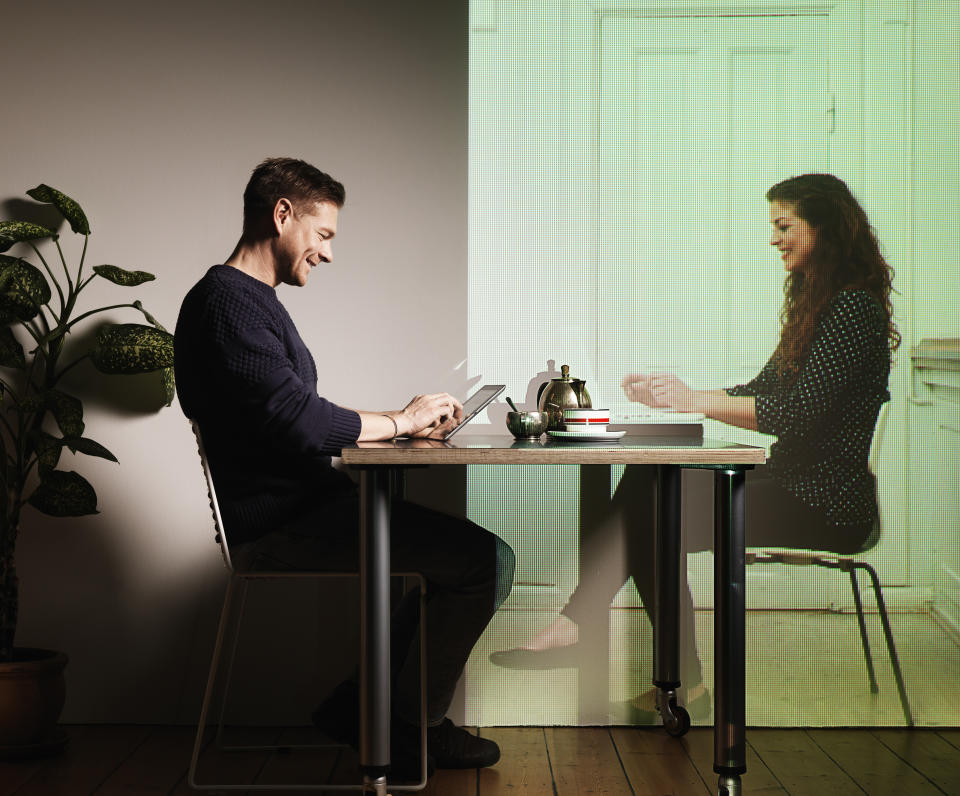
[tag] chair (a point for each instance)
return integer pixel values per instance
(239, 580)
(850, 564)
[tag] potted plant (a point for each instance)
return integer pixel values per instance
(38, 420)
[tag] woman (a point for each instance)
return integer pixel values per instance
(819, 394)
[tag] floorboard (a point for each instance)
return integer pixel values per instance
(301, 765)
(536, 761)
(157, 765)
(16, 773)
(758, 780)
(93, 753)
(656, 763)
(585, 761)
(928, 752)
(874, 768)
(524, 768)
(952, 737)
(452, 783)
(799, 764)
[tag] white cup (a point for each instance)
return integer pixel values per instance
(594, 420)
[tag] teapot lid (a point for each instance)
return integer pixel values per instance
(565, 376)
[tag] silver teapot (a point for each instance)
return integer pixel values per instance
(562, 393)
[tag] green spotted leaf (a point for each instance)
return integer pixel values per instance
(169, 382)
(30, 404)
(67, 410)
(48, 449)
(64, 494)
(89, 447)
(19, 231)
(129, 348)
(23, 289)
(119, 276)
(68, 208)
(11, 352)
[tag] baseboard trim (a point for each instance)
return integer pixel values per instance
(898, 599)
(946, 614)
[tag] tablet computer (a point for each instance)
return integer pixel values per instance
(475, 404)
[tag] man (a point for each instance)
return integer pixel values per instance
(246, 377)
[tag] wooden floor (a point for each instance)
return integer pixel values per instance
(537, 761)
(814, 658)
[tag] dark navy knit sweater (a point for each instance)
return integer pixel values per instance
(246, 377)
(824, 421)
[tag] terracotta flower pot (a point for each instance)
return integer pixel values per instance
(32, 693)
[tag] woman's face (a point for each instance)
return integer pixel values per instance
(792, 236)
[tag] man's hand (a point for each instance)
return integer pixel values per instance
(429, 416)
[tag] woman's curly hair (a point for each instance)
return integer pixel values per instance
(845, 256)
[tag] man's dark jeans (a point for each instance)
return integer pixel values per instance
(468, 570)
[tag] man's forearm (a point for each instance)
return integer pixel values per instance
(380, 425)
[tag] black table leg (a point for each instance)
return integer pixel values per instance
(593, 670)
(666, 627)
(374, 629)
(729, 644)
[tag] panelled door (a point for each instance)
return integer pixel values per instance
(697, 117)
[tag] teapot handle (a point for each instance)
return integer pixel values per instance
(540, 390)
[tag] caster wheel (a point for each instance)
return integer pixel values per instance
(680, 724)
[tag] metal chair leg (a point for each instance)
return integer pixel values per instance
(423, 690)
(211, 680)
(891, 647)
(234, 643)
(865, 640)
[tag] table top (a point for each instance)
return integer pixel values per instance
(504, 449)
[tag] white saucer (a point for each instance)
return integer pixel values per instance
(588, 436)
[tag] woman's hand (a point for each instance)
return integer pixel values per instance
(636, 386)
(429, 416)
(667, 390)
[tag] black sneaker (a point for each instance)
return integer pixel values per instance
(453, 747)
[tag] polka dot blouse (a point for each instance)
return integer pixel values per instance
(824, 421)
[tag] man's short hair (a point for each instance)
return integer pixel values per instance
(275, 178)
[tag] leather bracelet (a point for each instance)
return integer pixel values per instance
(396, 430)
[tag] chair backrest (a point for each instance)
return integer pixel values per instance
(878, 432)
(873, 459)
(872, 539)
(212, 494)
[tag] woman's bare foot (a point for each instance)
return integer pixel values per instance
(562, 632)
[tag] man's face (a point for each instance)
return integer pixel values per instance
(305, 239)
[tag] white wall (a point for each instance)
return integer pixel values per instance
(933, 429)
(936, 125)
(152, 116)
